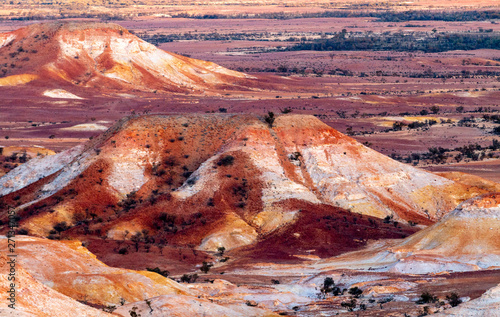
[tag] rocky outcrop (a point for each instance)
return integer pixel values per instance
(61, 278)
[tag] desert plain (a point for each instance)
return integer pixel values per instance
(250, 158)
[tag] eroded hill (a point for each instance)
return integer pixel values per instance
(211, 181)
(466, 239)
(104, 55)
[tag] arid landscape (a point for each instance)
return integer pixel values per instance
(250, 158)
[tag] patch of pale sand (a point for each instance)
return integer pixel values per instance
(6, 39)
(235, 233)
(469, 94)
(129, 166)
(86, 127)
(60, 93)
(389, 121)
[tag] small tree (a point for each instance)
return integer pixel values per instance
(148, 302)
(205, 267)
(328, 285)
(220, 251)
(133, 312)
(164, 273)
(426, 298)
(355, 291)
(269, 118)
(189, 278)
(61, 226)
(350, 305)
(226, 160)
(453, 299)
(136, 238)
(434, 109)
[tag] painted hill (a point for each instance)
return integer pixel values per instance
(225, 180)
(104, 55)
(467, 239)
(468, 235)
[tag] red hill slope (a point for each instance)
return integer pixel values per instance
(223, 180)
(99, 54)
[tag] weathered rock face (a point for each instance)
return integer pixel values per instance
(467, 239)
(36, 299)
(221, 180)
(468, 235)
(72, 270)
(46, 269)
(96, 54)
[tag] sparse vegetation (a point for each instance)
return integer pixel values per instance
(330, 287)
(426, 298)
(226, 160)
(269, 119)
(164, 273)
(189, 278)
(453, 299)
(399, 41)
(205, 267)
